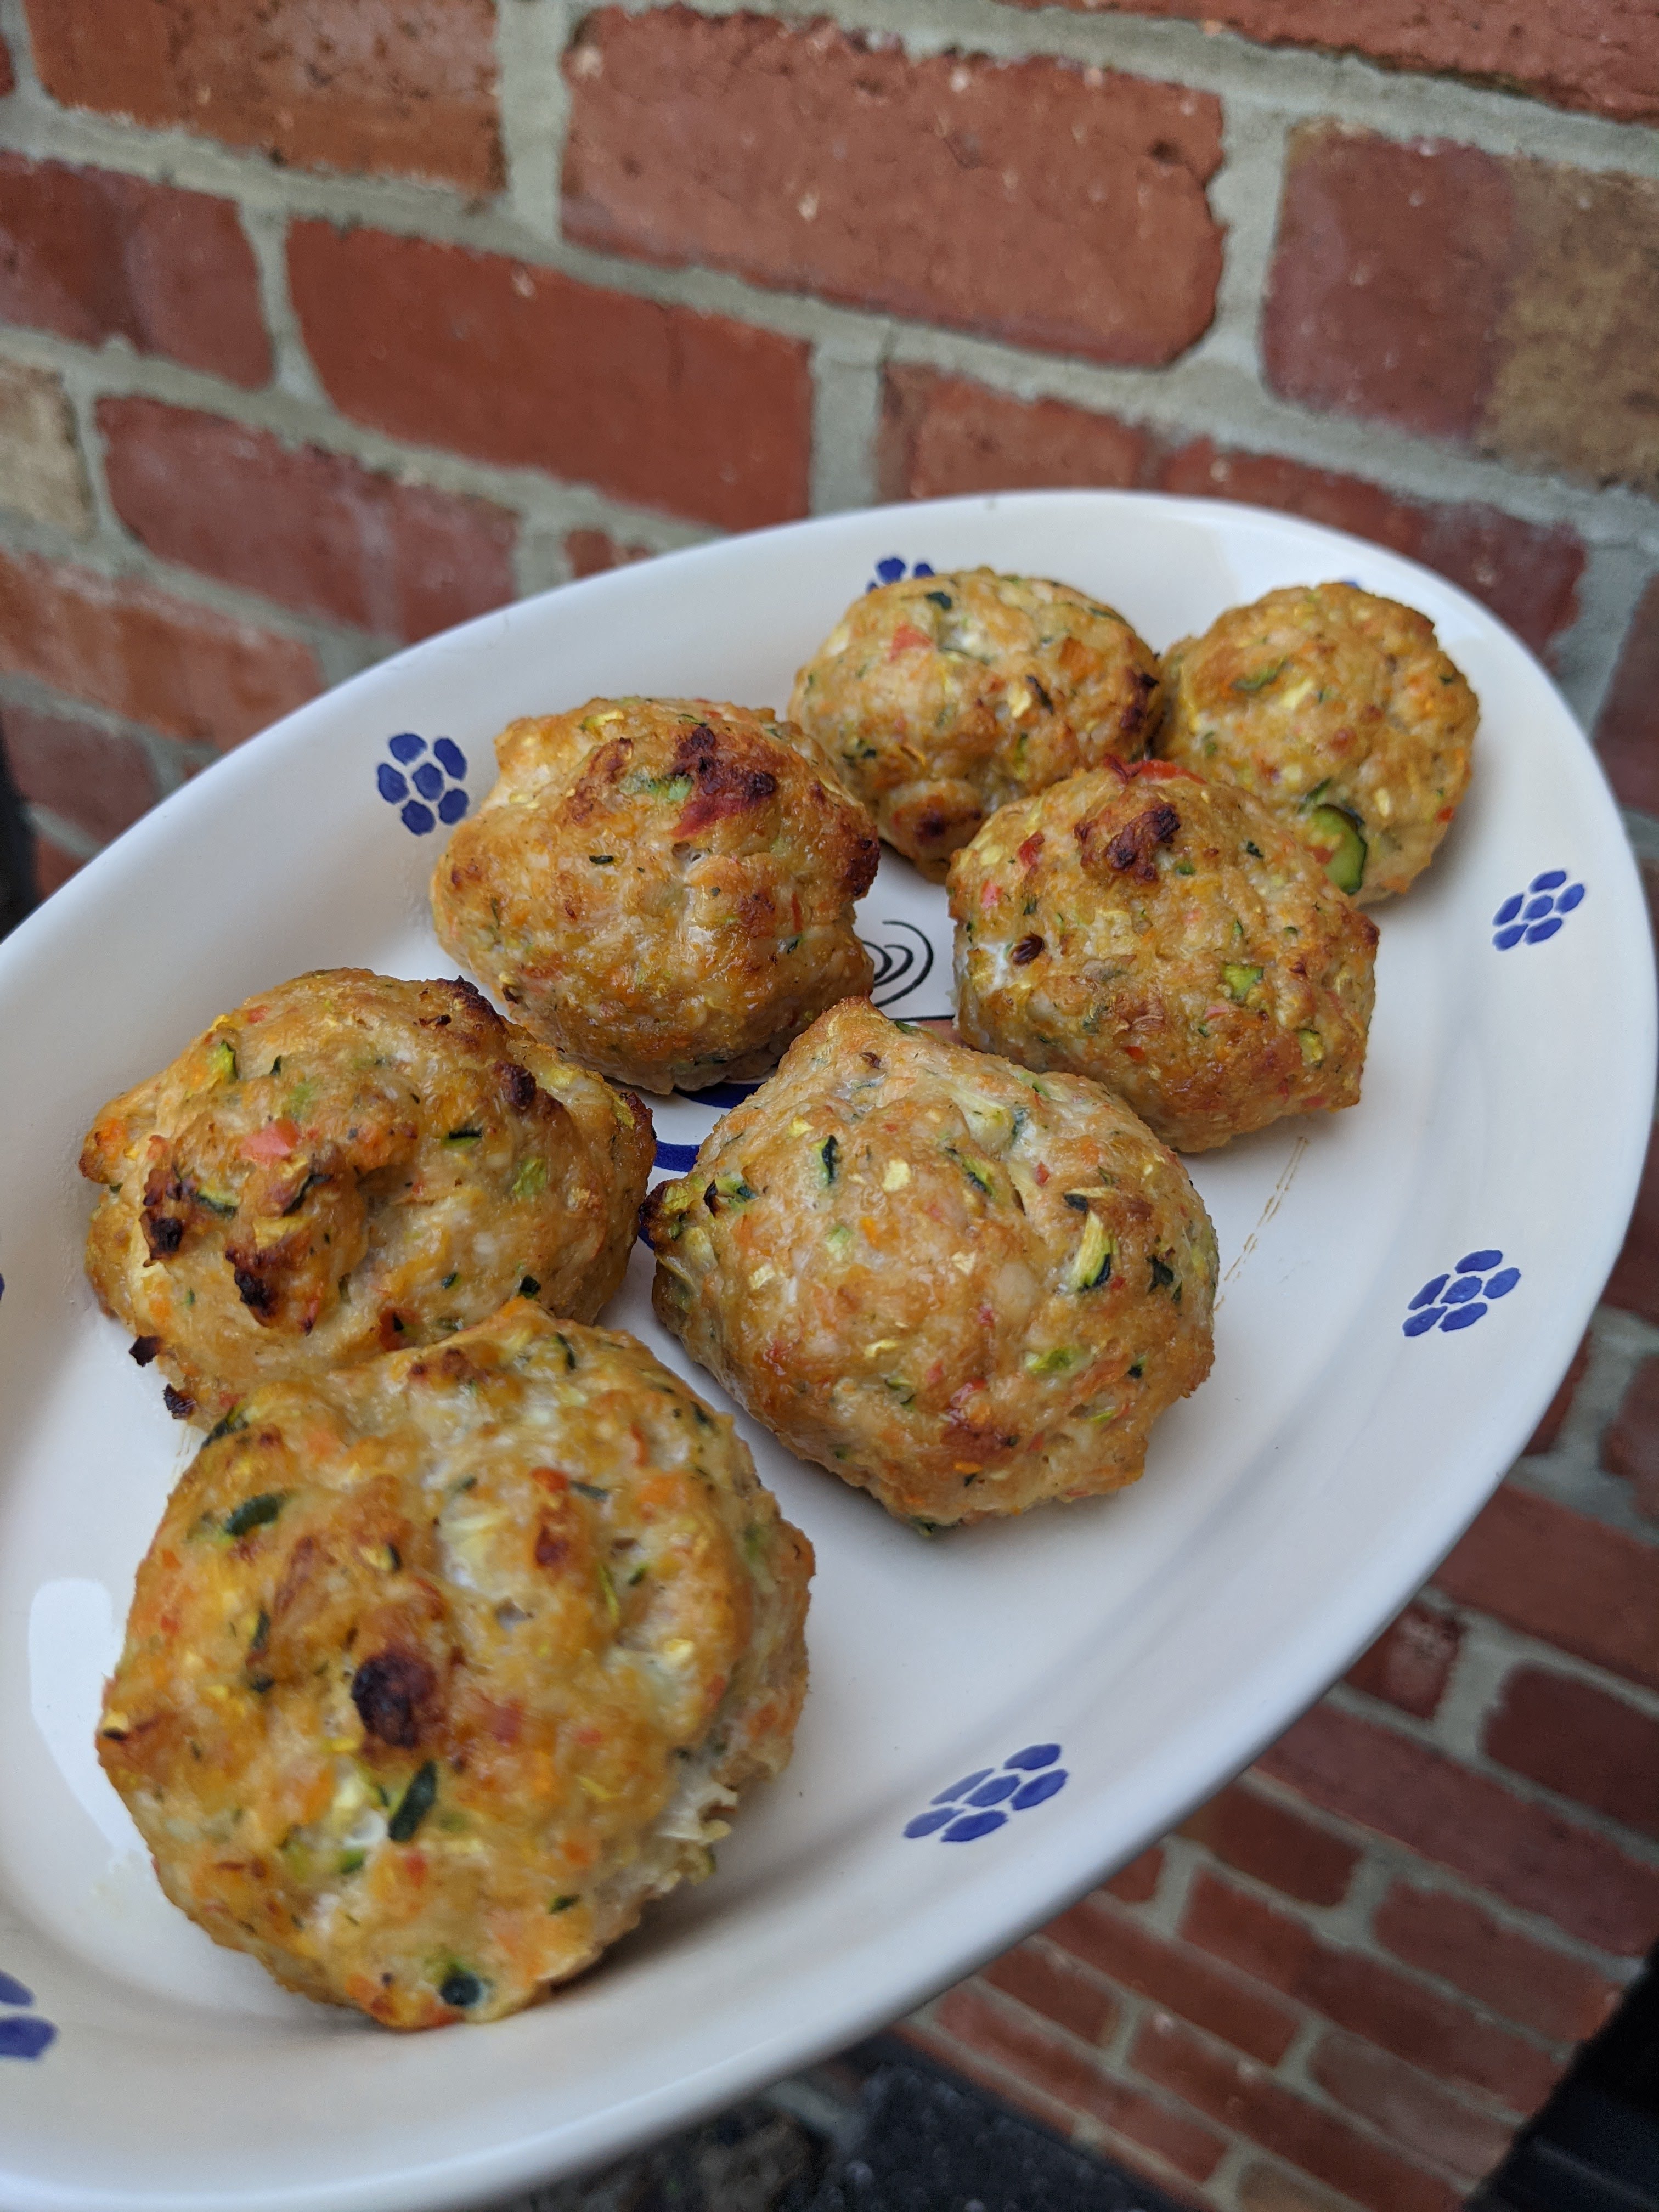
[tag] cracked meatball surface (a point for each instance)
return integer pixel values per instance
(1337, 709)
(662, 888)
(963, 1288)
(1170, 938)
(441, 1668)
(942, 697)
(349, 1164)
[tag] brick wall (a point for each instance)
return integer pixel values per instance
(319, 338)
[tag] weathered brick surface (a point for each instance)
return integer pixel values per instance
(1057, 2069)
(1031, 200)
(1460, 1942)
(1633, 1285)
(1508, 304)
(1627, 727)
(1524, 1853)
(1411, 1663)
(590, 552)
(41, 473)
(1271, 2189)
(1266, 1840)
(1054, 1989)
(1138, 1882)
(8, 74)
(1575, 1738)
(1630, 1445)
(1556, 1575)
(100, 782)
(1365, 1996)
(1594, 54)
(145, 654)
(53, 865)
(942, 434)
(403, 90)
(692, 413)
(94, 254)
(331, 537)
(1240, 2094)
(1138, 1959)
(1418, 2113)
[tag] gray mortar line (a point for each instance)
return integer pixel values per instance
(846, 419)
(531, 36)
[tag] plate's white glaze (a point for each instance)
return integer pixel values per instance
(1157, 1639)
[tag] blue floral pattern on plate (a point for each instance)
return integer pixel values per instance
(426, 787)
(1462, 1296)
(23, 2035)
(983, 1802)
(1534, 915)
(892, 570)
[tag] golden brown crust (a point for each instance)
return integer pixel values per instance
(1324, 697)
(1167, 938)
(440, 1668)
(962, 1287)
(942, 697)
(662, 888)
(349, 1164)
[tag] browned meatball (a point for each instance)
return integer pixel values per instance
(962, 1287)
(942, 697)
(346, 1165)
(1338, 710)
(662, 888)
(1170, 938)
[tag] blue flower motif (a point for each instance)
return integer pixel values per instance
(438, 793)
(21, 2036)
(1462, 1297)
(982, 1802)
(1534, 915)
(890, 570)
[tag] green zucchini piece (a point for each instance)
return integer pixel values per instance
(1335, 827)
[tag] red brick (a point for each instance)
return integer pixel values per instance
(941, 434)
(480, 354)
(590, 552)
(1056, 1990)
(1241, 2096)
(1172, 1975)
(1527, 573)
(1137, 1882)
(146, 655)
(1630, 1447)
(1388, 276)
(333, 537)
(1633, 1285)
(92, 778)
(1575, 1738)
(93, 255)
(1407, 2106)
(53, 866)
(1628, 728)
(1523, 1852)
(8, 75)
(1543, 1437)
(1569, 1581)
(1365, 1996)
(1411, 1663)
(1507, 1971)
(393, 90)
(1060, 2072)
(1031, 200)
(1595, 54)
(1273, 1844)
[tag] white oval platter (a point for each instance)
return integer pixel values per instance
(1132, 1652)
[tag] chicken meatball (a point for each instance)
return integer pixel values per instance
(961, 1286)
(1337, 709)
(442, 1668)
(1170, 938)
(663, 888)
(347, 1165)
(942, 697)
